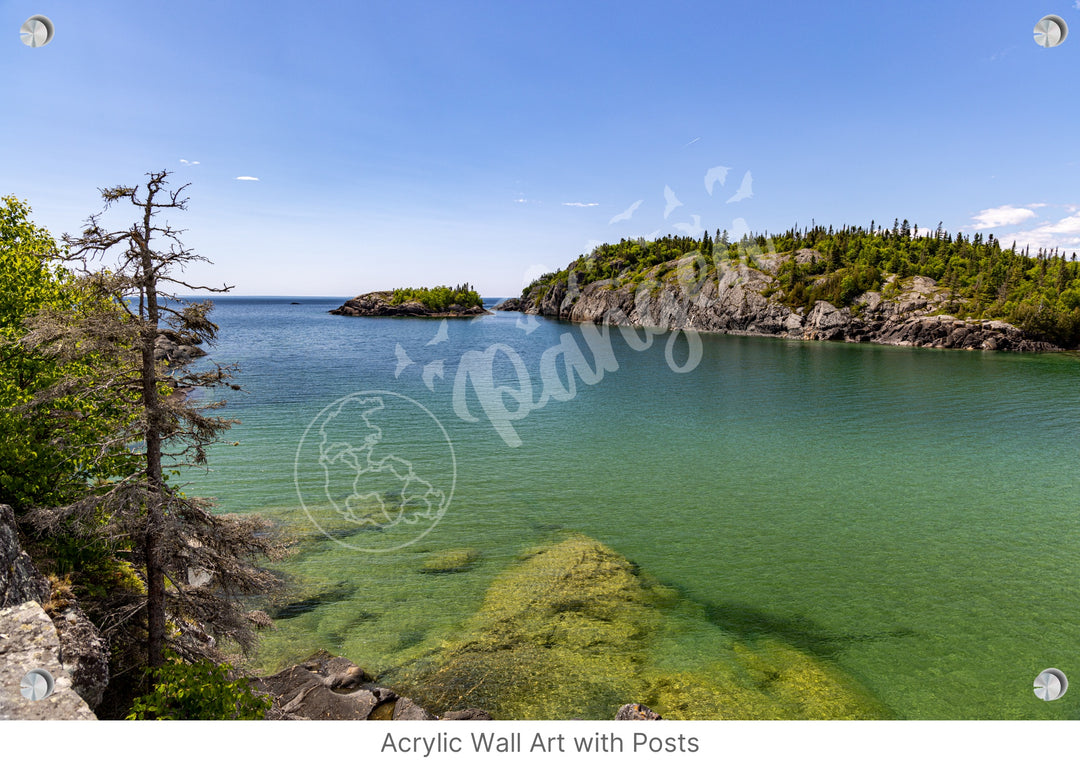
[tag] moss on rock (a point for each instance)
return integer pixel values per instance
(574, 631)
(450, 561)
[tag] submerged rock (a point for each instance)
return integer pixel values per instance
(450, 561)
(573, 631)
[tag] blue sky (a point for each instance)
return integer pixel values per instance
(405, 143)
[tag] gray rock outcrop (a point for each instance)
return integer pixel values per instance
(19, 579)
(28, 641)
(738, 298)
(81, 648)
(329, 687)
(170, 347)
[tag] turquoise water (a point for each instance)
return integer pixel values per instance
(910, 515)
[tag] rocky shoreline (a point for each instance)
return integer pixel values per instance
(378, 304)
(741, 298)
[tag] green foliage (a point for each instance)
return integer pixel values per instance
(440, 297)
(49, 445)
(1039, 294)
(202, 690)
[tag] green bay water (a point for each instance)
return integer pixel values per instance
(911, 516)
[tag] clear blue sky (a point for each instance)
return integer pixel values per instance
(405, 143)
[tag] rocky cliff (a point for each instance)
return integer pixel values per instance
(744, 298)
(60, 639)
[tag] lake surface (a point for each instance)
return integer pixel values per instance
(912, 516)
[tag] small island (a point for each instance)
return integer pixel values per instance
(462, 301)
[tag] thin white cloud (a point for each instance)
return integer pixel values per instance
(691, 142)
(626, 214)
(1006, 215)
(1076, 5)
(1037, 204)
(1063, 234)
(246, 177)
(581, 204)
(187, 163)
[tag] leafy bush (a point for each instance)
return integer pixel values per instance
(201, 690)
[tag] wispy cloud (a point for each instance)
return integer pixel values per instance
(626, 214)
(187, 163)
(1006, 215)
(581, 204)
(698, 138)
(1076, 5)
(1063, 234)
(246, 177)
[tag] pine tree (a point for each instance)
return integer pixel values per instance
(205, 557)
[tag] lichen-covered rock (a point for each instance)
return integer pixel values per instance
(20, 581)
(28, 641)
(83, 651)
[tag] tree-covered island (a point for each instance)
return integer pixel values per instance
(441, 301)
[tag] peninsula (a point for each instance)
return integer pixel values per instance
(894, 286)
(439, 302)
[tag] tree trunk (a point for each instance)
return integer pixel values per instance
(155, 481)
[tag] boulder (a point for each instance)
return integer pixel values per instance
(82, 649)
(19, 579)
(169, 346)
(329, 687)
(28, 641)
(637, 712)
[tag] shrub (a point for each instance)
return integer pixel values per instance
(201, 690)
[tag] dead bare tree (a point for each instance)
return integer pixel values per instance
(197, 565)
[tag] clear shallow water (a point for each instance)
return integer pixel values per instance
(911, 515)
